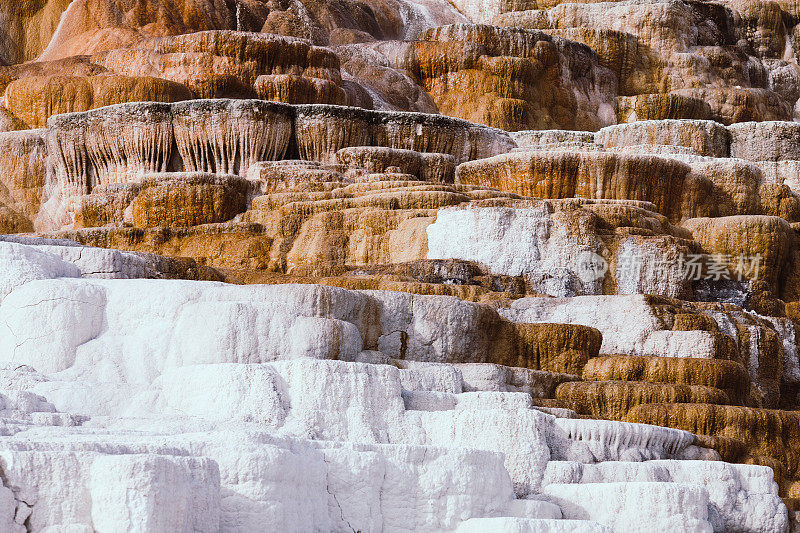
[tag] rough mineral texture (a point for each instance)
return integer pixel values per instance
(734, 57)
(511, 78)
(34, 99)
(325, 346)
(400, 265)
(596, 175)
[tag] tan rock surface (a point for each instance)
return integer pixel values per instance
(597, 175)
(34, 99)
(27, 29)
(512, 79)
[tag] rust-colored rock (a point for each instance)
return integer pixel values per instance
(175, 200)
(34, 99)
(562, 348)
(564, 174)
(745, 236)
(22, 175)
(728, 376)
(511, 78)
(229, 64)
(661, 107)
(27, 28)
(614, 399)
(765, 432)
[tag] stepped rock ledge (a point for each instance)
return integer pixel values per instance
(523, 266)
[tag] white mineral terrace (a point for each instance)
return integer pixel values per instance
(399, 266)
(164, 405)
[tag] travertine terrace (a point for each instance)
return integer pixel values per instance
(399, 265)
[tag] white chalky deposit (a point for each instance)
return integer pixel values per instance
(518, 266)
(245, 408)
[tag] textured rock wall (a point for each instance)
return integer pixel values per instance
(120, 144)
(33, 99)
(657, 60)
(733, 57)
(23, 169)
(290, 282)
(402, 420)
(594, 175)
(26, 29)
(512, 79)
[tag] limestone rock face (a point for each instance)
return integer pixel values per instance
(119, 144)
(188, 200)
(293, 409)
(661, 107)
(512, 79)
(23, 167)
(27, 28)
(384, 265)
(10, 122)
(720, 374)
(735, 236)
(96, 25)
(548, 246)
(220, 64)
(378, 159)
(228, 136)
(764, 141)
(323, 130)
(383, 82)
(542, 64)
(652, 330)
(34, 99)
(703, 137)
(210, 64)
(722, 54)
(595, 175)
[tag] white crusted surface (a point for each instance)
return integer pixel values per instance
(138, 395)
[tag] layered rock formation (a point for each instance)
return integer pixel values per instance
(542, 65)
(401, 265)
(323, 390)
(734, 57)
(511, 78)
(411, 203)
